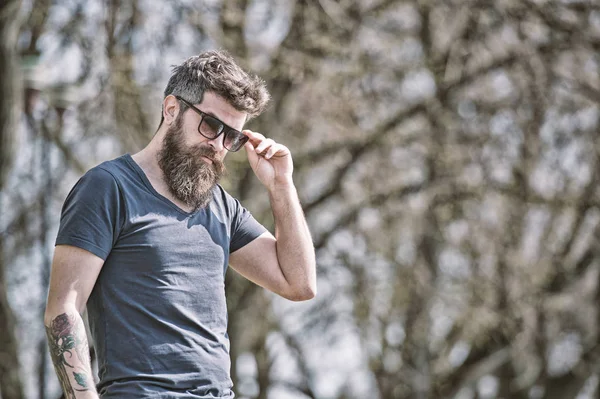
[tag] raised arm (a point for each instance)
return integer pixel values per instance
(74, 273)
(284, 263)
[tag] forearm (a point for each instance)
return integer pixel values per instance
(295, 249)
(70, 353)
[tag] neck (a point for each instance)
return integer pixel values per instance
(147, 158)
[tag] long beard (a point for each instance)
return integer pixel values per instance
(189, 178)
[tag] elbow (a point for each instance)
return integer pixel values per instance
(48, 316)
(306, 293)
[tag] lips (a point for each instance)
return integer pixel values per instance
(207, 159)
(207, 156)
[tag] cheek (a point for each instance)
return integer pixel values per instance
(190, 135)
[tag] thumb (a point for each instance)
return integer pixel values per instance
(252, 155)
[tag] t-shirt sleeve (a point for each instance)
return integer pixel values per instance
(244, 228)
(92, 214)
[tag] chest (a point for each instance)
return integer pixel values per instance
(170, 244)
(162, 189)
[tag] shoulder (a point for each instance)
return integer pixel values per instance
(224, 204)
(101, 180)
(223, 199)
(107, 172)
(97, 180)
(113, 167)
(220, 194)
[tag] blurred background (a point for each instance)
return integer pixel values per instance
(446, 155)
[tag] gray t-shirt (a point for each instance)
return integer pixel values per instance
(157, 313)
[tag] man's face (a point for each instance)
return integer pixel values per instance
(191, 163)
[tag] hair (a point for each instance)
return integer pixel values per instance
(216, 71)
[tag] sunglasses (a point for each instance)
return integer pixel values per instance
(211, 128)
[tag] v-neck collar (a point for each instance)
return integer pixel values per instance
(150, 187)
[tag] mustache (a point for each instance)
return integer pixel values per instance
(206, 151)
(199, 150)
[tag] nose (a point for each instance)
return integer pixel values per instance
(217, 143)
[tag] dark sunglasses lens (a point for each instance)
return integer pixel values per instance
(234, 140)
(210, 127)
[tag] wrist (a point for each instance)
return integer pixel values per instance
(281, 185)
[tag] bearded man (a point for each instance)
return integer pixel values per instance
(145, 240)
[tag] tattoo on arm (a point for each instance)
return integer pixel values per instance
(70, 354)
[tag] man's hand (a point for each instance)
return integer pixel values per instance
(270, 161)
(284, 263)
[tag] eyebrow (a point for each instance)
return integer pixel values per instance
(214, 116)
(208, 113)
(220, 120)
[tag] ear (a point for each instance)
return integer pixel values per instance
(170, 109)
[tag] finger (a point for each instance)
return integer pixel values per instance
(276, 149)
(251, 153)
(252, 134)
(271, 151)
(264, 145)
(255, 138)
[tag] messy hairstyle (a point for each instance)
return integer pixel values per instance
(216, 71)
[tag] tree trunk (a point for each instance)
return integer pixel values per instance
(10, 90)
(10, 103)
(10, 380)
